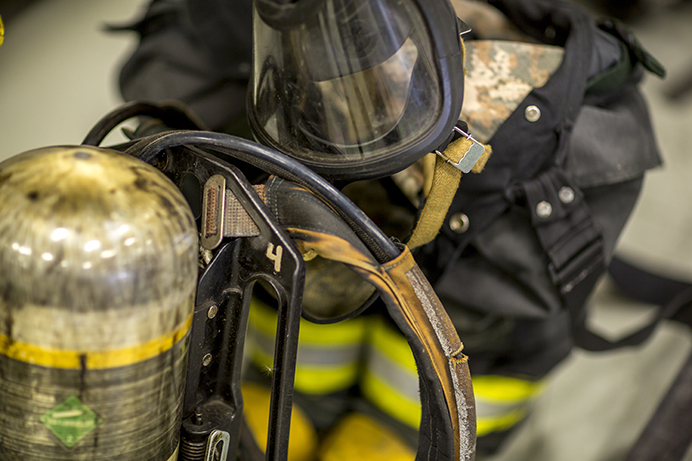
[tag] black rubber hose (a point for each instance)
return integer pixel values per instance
(276, 163)
(173, 115)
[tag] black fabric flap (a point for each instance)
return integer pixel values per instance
(612, 143)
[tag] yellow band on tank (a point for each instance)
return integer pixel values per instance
(174, 456)
(93, 360)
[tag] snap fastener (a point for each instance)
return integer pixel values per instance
(544, 209)
(532, 113)
(459, 223)
(566, 194)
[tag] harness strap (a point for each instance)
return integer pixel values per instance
(462, 155)
(674, 298)
(571, 240)
(574, 246)
(566, 230)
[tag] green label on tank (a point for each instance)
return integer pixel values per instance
(71, 421)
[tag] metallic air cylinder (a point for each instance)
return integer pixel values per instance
(98, 269)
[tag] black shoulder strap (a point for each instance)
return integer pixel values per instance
(644, 285)
(672, 296)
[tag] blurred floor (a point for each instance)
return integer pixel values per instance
(58, 73)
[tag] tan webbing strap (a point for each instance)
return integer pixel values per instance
(445, 183)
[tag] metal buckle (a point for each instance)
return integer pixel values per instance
(216, 439)
(471, 156)
(213, 207)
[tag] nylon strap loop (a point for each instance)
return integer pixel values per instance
(445, 183)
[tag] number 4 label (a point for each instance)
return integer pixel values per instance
(274, 254)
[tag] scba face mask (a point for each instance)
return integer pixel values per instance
(356, 89)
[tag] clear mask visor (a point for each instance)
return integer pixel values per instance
(362, 108)
(353, 81)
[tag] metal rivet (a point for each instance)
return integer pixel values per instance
(544, 209)
(206, 360)
(566, 194)
(459, 223)
(213, 310)
(532, 113)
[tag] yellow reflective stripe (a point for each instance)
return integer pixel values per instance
(321, 381)
(262, 317)
(393, 344)
(310, 355)
(485, 426)
(492, 393)
(501, 401)
(2, 31)
(350, 331)
(317, 345)
(314, 380)
(409, 412)
(391, 402)
(391, 385)
(93, 360)
(504, 389)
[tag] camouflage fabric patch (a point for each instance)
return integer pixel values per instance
(499, 76)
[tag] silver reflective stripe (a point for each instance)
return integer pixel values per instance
(419, 285)
(325, 355)
(492, 409)
(400, 379)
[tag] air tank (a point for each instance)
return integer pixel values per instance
(98, 269)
